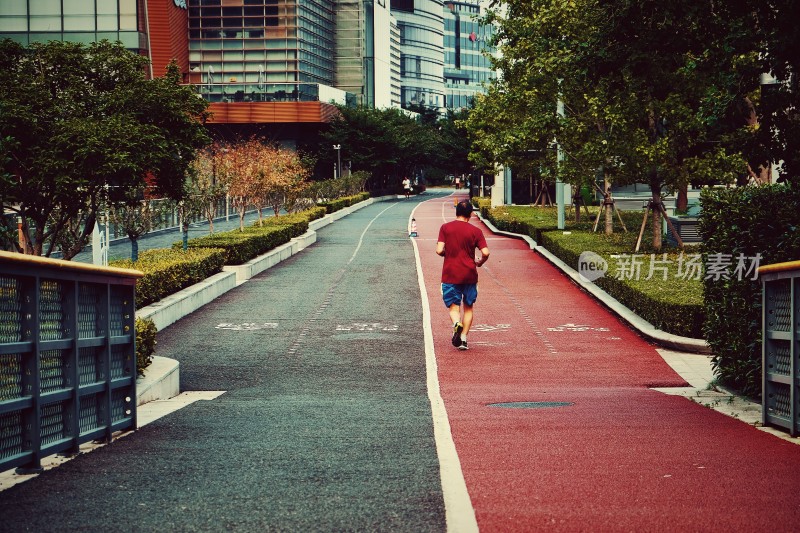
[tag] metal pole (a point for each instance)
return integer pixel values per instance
(338, 170)
(559, 159)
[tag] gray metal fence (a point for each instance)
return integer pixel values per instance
(781, 345)
(67, 356)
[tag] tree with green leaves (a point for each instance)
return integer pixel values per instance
(774, 23)
(390, 144)
(80, 118)
(652, 91)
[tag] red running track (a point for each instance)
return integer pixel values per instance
(621, 457)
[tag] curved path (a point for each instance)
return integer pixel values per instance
(585, 444)
(325, 425)
(347, 409)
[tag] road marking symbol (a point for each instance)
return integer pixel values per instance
(247, 326)
(576, 328)
(376, 326)
(489, 327)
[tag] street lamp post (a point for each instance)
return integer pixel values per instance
(338, 148)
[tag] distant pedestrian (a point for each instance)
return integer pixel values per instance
(458, 183)
(457, 243)
(407, 187)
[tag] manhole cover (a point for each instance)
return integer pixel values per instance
(530, 405)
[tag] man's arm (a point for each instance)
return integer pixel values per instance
(440, 248)
(484, 256)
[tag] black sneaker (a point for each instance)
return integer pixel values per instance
(458, 327)
(463, 346)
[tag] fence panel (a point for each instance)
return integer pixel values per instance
(780, 345)
(67, 356)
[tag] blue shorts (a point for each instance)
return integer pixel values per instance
(454, 293)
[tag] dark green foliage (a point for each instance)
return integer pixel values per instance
(747, 221)
(341, 203)
(75, 118)
(145, 343)
(168, 271)
(242, 246)
(298, 220)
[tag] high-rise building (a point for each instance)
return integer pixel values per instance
(421, 27)
(280, 62)
(364, 60)
(152, 28)
(466, 41)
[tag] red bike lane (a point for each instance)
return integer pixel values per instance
(585, 445)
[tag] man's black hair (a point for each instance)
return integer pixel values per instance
(464, 208)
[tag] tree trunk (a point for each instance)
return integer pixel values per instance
(608, 207)
(134, 248)
(682, 202)
(185, 235)
(655, 186)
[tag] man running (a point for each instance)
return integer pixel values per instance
(458, 241)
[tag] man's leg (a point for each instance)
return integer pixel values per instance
(455, 313)
(467, 320)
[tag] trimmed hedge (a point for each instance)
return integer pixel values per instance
(242, 246)
(747, 220)
(145, 343)
(340, 203)
(674, 306)
(167, 271)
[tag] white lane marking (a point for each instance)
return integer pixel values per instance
(458, 510)
(361, 239)
(247, 326)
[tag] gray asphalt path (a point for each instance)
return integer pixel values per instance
(325, 425)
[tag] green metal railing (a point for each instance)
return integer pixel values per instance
(781, 345)
(67, 356)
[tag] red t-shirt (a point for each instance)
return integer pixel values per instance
(460, 239)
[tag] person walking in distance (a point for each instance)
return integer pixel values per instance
(457, 243)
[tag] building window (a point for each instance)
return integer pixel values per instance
(403, 5)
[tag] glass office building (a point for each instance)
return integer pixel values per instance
(85, 21)
(364, 60)
(421, 26)
(466, 44)
(266, 41)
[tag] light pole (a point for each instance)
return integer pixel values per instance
(338, 148)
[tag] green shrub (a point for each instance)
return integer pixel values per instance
(242, 246)
(166, 271)
(300, 219)
(346, 201)
(748, 221)
(145, 343)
